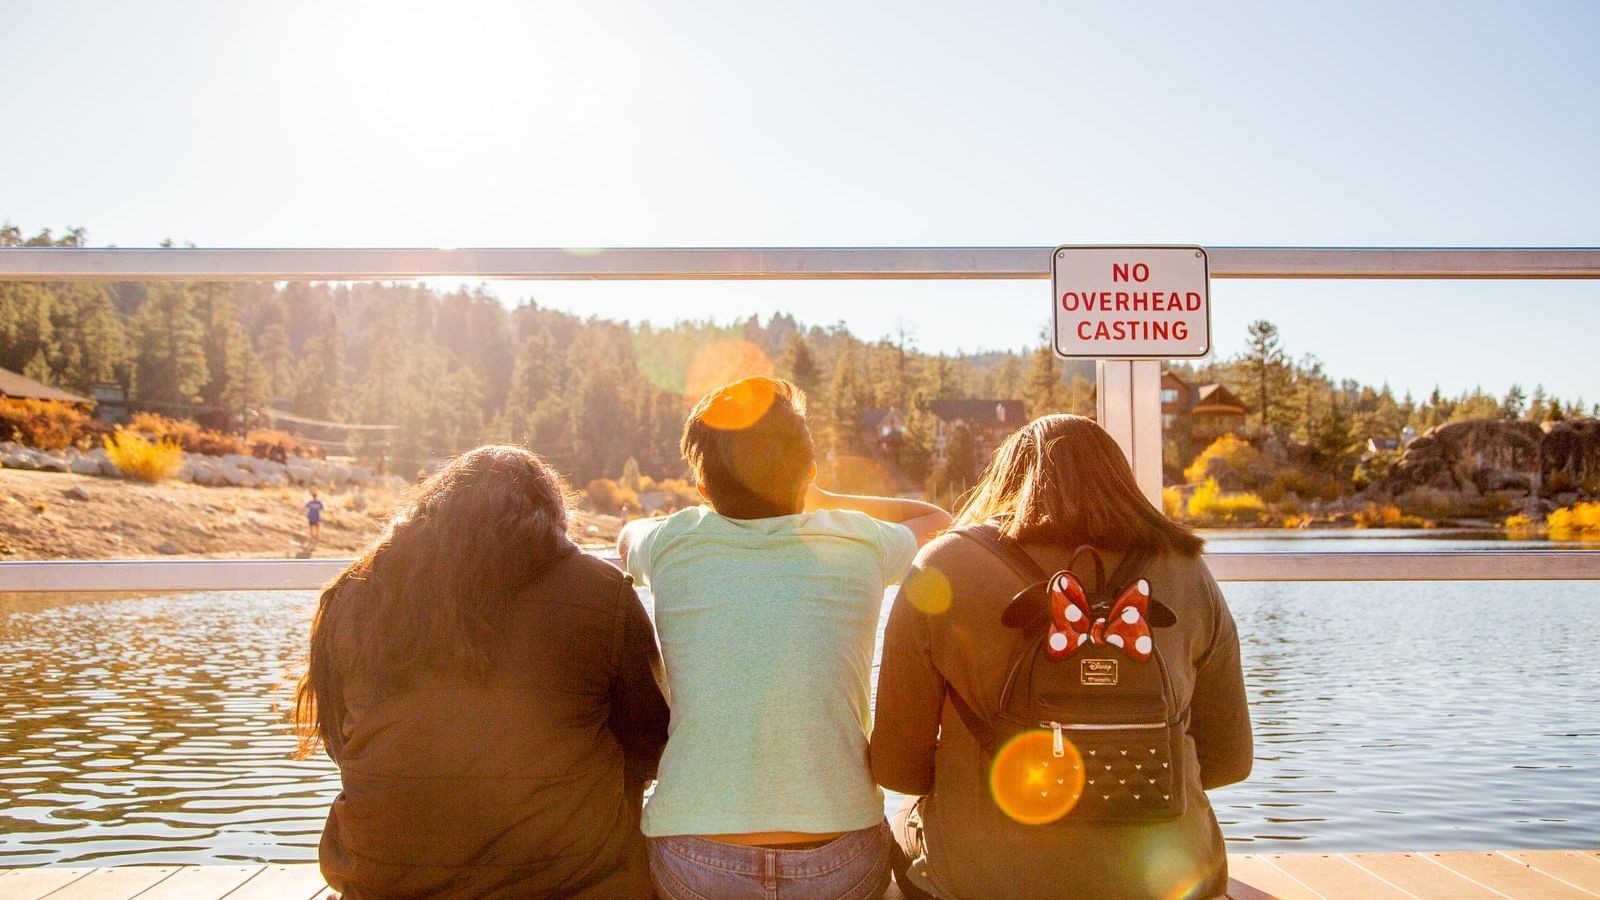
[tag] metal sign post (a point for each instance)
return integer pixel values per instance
(1129, 308)
(1128, 406)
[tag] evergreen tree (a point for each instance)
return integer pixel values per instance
(847, 397)
(236, 381)
(1514, 403)
(277, 364)
(170, 362)
(1004, 381)
(798, 365)
(319, 380)
(1044, 394)
(961, 460)
(1264, 368)
(97, 350)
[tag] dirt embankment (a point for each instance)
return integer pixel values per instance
(60, 515)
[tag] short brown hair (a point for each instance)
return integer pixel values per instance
(1062, 479)
(748, 444)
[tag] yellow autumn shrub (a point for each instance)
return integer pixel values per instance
(139, 457)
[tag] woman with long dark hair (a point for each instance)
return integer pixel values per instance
(492, 698)
(1060, 731)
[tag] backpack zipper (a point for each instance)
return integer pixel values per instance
(1058, 742)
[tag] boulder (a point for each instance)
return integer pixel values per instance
(52, 462)
(1569, 459)
(78, 492)
(169, 548)
(84, 465)
(239, 477)
(1472, 457)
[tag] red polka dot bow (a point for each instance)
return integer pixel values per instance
(1072, 621)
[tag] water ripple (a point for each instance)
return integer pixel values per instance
(1387, 716)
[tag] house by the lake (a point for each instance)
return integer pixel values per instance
(17, 386)
(990, 421)
(1210, 410)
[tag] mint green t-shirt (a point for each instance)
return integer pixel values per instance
(766, 629)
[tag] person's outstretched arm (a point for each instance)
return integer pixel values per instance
(925, 520)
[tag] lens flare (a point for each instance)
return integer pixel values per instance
(1031, 783)
(739, 406)
(927, 590)
(720, 362)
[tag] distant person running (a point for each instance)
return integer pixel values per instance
(313, 518)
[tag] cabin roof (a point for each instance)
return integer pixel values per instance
(15, 384)
(1002, 413)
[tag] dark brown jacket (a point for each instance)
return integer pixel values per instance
(528, 785)
(920, 746)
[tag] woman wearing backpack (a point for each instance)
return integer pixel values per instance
(1060, 807)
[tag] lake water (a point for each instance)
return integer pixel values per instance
(1388, 716)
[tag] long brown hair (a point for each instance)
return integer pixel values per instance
(431, 592)
(1062, 479)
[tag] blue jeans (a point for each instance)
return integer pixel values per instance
(854, 866)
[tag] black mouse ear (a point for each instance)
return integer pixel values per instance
(1160, 616)
(1030, 607)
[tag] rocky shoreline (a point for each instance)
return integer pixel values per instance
(232, 470)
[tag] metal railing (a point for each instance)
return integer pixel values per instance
(733, 264)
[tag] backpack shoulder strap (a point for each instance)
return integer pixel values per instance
(981, 731)
(1010, 552)
(1127, 569)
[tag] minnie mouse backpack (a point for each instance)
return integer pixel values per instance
(1089, 676)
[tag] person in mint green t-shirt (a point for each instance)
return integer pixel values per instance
(767, 602)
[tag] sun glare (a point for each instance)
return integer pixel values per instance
(1032, 783)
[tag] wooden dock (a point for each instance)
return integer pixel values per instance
(1256, 876)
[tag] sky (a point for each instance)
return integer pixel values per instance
(750, 124)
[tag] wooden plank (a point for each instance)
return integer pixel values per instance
(1576, 869)
(1332, 876)
(31, 884)
(300, 882)
(1238, 890)
(1259, 873)
(1413, 872)
(120, 883)
(1505, 875)
(200, 882)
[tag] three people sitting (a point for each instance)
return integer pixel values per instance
(497, 704)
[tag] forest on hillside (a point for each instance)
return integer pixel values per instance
(450, 370)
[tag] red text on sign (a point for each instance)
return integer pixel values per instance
(1130, 301)
(1133, 330)
(1120, 272)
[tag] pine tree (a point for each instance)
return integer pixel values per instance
(276, 363)
(319, 381)
(170, 365)
(847, 397)
(798, 365)
(99, 346)
(236, 381)
(1044, 393)
(1005, 380)
(1265, 371)
(1514, 403)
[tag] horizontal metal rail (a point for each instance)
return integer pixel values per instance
(310, 574)
(759, 263)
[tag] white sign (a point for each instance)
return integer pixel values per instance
(1131, 302)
